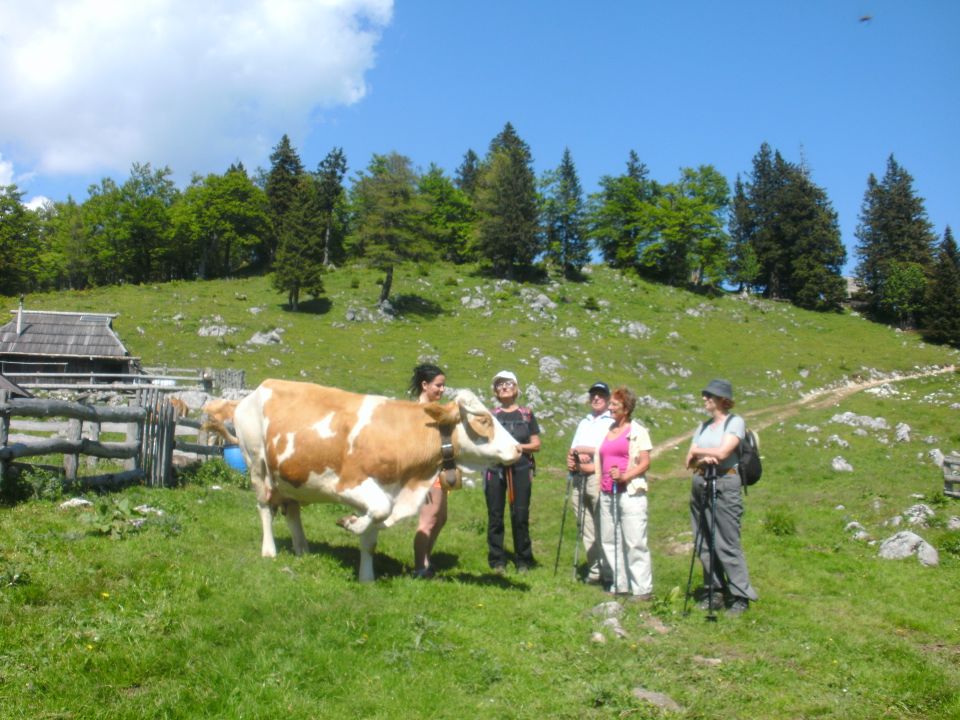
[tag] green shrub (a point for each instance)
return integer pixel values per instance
(591, 303)
(212, 472)
(32, 483)
(951, 545)
(780, 522)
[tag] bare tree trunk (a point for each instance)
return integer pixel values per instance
(387, 283)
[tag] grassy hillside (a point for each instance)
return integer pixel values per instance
(183, 619)
(772, 352)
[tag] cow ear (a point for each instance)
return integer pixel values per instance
(482, 425)
(448, 414)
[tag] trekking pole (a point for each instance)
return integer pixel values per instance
(581, 518)
(711, 477)
(563, 519)
(697, 547)
(616, 540)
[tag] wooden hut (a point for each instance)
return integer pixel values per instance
(39, 346)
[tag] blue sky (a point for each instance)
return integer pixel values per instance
(682, 84)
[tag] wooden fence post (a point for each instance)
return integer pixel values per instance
(134, 432)
(92, 432)
(70, 462)
(4, 434)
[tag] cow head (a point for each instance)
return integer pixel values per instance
(480, 438)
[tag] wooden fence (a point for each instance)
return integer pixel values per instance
(148, 423)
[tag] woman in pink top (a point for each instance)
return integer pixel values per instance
(621, 462)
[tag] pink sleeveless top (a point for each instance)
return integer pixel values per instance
(613, 453)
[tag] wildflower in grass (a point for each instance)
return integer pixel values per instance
(105, 595)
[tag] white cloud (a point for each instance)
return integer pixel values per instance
(99, 84)
(6, 172)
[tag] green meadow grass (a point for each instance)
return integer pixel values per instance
(183, 619)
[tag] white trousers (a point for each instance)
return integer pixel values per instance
(633, 565)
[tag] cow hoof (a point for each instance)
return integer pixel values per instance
(347, 521)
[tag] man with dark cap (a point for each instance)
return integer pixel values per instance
(590, 433)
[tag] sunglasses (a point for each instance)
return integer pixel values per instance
(503, 384)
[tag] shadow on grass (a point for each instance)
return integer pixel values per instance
(415, 305)
(389, 568)
(315, 306)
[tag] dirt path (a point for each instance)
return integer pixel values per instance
(764, 417)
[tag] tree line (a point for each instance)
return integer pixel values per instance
(774, 232)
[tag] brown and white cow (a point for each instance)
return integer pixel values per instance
(307, 443)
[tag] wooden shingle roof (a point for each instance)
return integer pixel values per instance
(61, 334)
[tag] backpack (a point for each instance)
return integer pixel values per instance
(750, 467)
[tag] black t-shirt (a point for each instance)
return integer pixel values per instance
(521, 430)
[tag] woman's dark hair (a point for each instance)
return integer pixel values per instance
(423, 373)
(627, 399)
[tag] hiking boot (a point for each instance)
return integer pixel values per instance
(713, 601)
(423, 573)
(738, 606)
(499, 569)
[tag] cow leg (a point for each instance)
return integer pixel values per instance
(269, 547)
(367, 496)
(368, 545)
(292, 512)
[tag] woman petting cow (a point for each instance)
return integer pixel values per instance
(427, 385)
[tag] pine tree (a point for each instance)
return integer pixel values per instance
(744, 267)
(942, 311)
(299, 261)
(281, 186)
(467, 173)
(506, 203)
(896, 244)
(793, 233)
(816, 282)
(330, 192)
(564, 224)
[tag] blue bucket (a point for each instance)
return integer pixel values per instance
(234, 458)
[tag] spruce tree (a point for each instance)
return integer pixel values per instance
(743, 268)
(793, 232)
(942, 311)
(564, 226)
(281, 187)
(895, 240)
(467, 173)
(506, 203)
(330, 193)
(299, 262)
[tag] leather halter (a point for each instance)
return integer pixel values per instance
(449, 472)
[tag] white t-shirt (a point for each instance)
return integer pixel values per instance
(592, 430)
